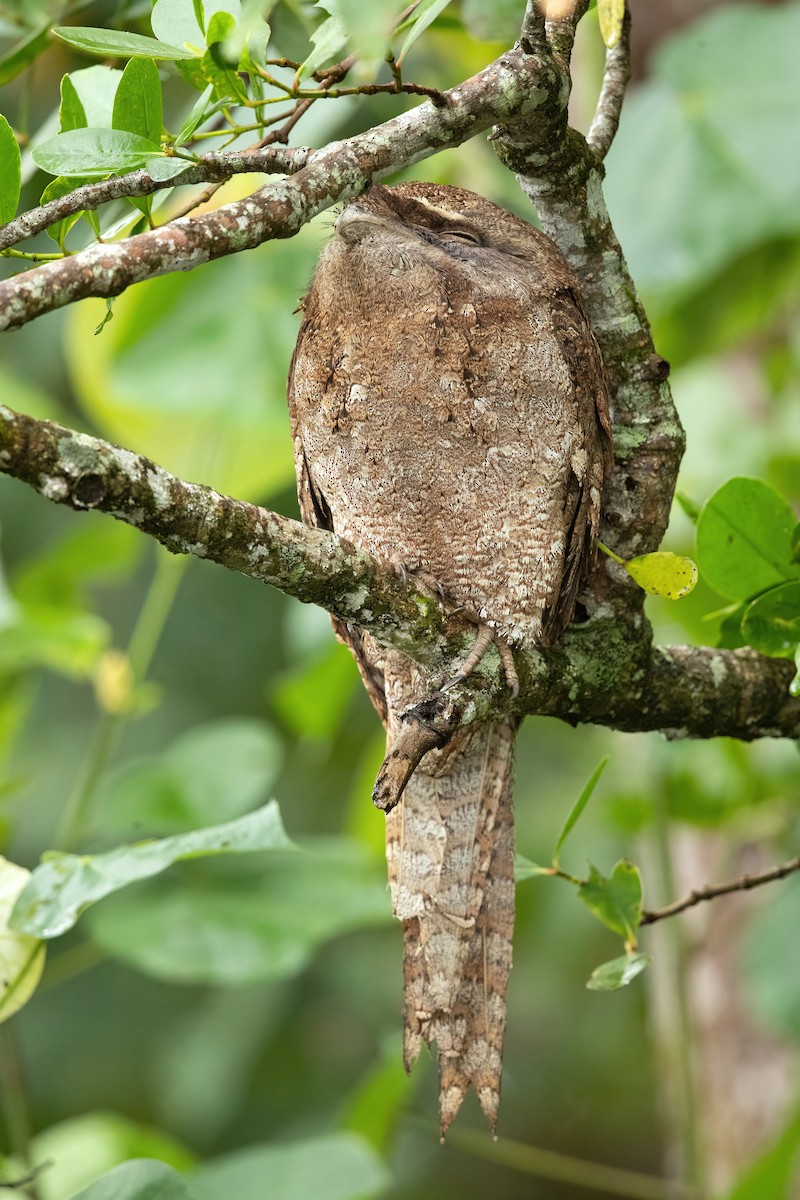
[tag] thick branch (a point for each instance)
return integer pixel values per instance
(313, 565)
(212, 168)
(515, 84)
(603, 671)
(743, 883)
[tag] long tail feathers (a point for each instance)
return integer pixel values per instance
(450, 849)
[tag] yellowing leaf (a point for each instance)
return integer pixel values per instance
(611, 14)
(21, 956)
(663, 574)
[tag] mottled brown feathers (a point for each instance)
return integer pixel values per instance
(449, 415)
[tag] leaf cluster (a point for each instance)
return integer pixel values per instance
(616, 899)
(748, 548)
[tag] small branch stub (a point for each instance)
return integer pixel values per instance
(426, 726)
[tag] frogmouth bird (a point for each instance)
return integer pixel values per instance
(450, 416)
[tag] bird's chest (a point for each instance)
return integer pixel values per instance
(413, 391)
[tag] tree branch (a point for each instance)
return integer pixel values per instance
(513, 85)
(602, 671)
(743, 883)
(616, 77)
(212, 168)
(426, 726)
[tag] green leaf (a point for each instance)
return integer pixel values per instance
(689, 506)
(525, 869)
(67, 642)
(21, 956)
(338, 1166)
(616, 901)
(730, 629)
(369, 26)
(196, 116)
(611, 14)
(618, 972)
(251, 40)
(201, 111)
(329, 40)
(209, 926)
(221, 59)
(744, 539)
(138, 105)
(578, 807)
(225, 81)
(663, 574)
(176, 21)
(775, 1173)
(216, 771)
(83, 1149)
(795, 543)
(707, 137)
(94, 153)
(139, 1179)
(64, 885)
(10, 177)
(423, 16)
(109, 315)
(771, 624)
(23, 54)
(71, 113)
(166, 167)
(116, 43)
(97, 87)
(101, 552)
(220, 28)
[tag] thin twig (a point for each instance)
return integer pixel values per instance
(743, 883)
(375, 89)
(277, 160)
(561, 23)
(563, 1168)
(24, 1181)
(505, 91)
(531, 34)
(196, 202)
(275, 137)
(616, 76)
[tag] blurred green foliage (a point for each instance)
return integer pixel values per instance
(235, 1020)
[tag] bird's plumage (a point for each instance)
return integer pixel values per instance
(449, 415)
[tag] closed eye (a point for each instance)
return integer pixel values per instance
(461, 235)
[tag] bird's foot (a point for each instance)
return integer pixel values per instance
(487, 637)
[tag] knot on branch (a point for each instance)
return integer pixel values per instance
(88, 491)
